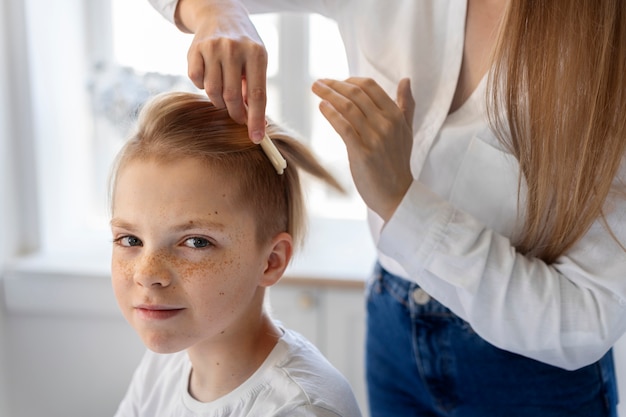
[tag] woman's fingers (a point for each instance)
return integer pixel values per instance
(378, 137)
(341, 111)
(405, 100)
(231, 89)
(364, 104)
(255, 93)
(229, 61)
(195, 66)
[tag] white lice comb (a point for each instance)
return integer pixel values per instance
(274, 155)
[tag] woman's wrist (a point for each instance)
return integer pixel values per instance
(190, 14)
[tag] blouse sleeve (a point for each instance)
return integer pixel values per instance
(167, 8)
(567, 314)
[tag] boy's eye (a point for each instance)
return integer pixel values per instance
(129, 241)
(197, 242)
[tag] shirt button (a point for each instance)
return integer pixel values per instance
(420, 296)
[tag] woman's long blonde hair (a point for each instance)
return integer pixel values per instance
(179, 125)
(558, 102)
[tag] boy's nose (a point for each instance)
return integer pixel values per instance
(152, 269)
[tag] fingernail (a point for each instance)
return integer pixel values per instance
(257, 136)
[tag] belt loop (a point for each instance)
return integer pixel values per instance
(374, 284)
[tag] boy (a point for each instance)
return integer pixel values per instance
(202, 223)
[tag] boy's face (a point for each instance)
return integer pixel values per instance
(186, 267)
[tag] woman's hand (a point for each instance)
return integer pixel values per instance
(227, 58)
(378, 136)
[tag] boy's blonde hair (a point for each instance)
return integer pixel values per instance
(173, 126)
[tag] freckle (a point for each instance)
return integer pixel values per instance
(215, 212)
(221, 293)
(217, 363)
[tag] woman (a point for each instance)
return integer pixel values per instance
(501, 239)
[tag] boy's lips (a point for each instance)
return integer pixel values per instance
(157, 312)
(158, 307)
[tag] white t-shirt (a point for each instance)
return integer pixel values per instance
(452, 233)
(295, 380)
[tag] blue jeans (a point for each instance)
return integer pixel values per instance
(422, 360)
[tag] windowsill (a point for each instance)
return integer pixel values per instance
(337, 252)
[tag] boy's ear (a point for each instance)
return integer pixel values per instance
(281, 249)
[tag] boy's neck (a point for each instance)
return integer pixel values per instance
(219, 368)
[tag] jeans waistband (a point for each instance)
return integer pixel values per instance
(410, 294)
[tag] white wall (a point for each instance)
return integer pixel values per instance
(62, 365)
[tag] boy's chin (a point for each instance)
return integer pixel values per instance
(162, 345)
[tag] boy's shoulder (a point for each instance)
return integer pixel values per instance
(302, 370)
(297, 356)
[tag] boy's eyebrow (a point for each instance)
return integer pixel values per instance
(115, 222)
(191, 224)
(200, 223)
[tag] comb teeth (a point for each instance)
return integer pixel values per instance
(274, 155)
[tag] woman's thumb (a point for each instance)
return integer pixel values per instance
(405, 100)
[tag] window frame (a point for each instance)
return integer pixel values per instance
(18, 196)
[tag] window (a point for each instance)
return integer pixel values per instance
(90, 67)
